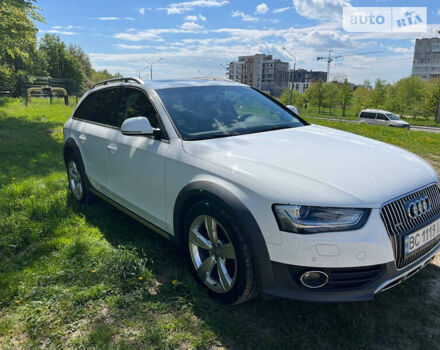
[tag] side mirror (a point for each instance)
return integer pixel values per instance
(137, 126)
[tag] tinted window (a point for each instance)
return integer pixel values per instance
(136, 104)
(381, 117)
(102, 107)
(368, 115)
(205, 112)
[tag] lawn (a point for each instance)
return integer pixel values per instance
(73, 276)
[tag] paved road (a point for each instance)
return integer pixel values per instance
(413, 127)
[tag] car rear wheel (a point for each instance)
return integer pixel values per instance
(77, 179)
(218, 255)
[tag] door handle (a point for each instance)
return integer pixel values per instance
(112, 148)
(83, 138)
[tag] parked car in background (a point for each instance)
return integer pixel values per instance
(381, 117)
(259, 200)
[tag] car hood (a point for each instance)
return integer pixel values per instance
(402, 122)
(315, 165)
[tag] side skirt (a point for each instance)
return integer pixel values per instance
(138, 218)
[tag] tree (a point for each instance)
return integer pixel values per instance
(293, 97)
(367, 85)
(330, 93)
(62, 64)
(17, 39)
(431, 100)
(360, 99)
(410, 92)
(344, 95)
(84, 59)
(315, 95)
(392, 102)
(378, 94)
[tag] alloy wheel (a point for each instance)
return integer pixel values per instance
(75, 180)
(213, 254)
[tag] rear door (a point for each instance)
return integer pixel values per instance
(136, 164)
(93, 128)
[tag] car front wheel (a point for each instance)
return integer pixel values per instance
(218, 254)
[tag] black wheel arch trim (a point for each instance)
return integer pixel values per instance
(73, 146)
(252, 232)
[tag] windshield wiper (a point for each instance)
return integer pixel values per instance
(214, 136)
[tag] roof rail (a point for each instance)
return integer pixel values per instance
(114, 80)
(212, 78)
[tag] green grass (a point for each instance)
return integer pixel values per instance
(350, 115)
(73, 276)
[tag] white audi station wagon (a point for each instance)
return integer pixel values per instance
(259, 200)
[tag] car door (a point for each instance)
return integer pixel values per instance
(381, 119)
(92, 132)
(136, 163)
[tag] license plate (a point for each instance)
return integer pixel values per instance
(421, 237)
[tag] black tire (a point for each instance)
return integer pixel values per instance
(87, 196)
(244, 286)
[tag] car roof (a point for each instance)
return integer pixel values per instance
(375, 110)
(178, 83)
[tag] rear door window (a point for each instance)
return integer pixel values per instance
(103, 107)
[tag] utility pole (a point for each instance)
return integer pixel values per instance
(151, 65)
(294, 69)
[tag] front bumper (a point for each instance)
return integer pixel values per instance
(345, 284)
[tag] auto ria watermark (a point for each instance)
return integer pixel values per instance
(384, 19)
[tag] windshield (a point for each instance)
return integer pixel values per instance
(204, 112)
(392, 116)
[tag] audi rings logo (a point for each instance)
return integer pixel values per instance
(418, 207)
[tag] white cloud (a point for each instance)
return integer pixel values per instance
(115, 18)
(191, 26)
(282, 9)
(262, 8)
(132, 47)
(182, 7)
(142, 11)
(244, 17)
(399, 49)
(66, 27)
(108, 18)
(55, 31)
(320, 9)
(191, 18)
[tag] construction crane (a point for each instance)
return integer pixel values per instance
(330, 58)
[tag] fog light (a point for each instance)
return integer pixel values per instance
(314, 279)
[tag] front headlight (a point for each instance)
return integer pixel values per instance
(305, 219)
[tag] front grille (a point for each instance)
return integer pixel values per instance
(398, 224)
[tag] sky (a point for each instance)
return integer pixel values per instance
(200, 37)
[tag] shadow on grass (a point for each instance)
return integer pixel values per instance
(402, 317)
(27, 148)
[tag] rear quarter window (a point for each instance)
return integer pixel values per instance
(367, 115)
